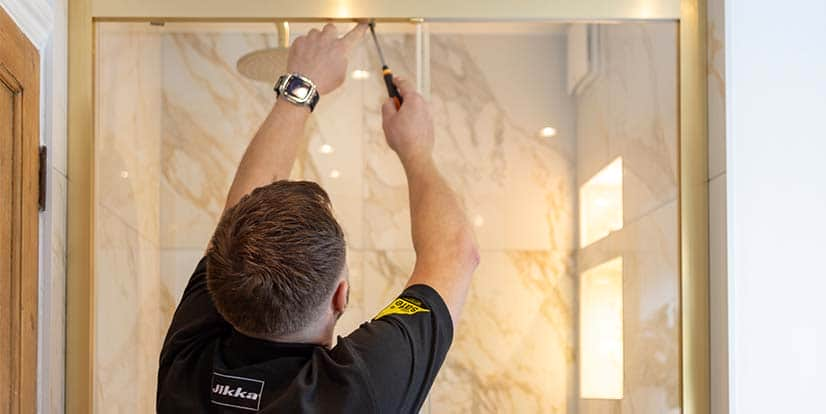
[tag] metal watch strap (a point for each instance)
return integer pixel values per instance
(283, 82)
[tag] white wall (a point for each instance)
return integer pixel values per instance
(776, 188)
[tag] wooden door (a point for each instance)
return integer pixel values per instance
(19, 138)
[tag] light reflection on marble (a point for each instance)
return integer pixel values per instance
(651, 311)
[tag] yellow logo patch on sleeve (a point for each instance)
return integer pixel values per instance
(402, 306)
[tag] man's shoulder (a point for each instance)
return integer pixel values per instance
(184, 379)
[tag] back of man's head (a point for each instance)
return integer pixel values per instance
(275, 259)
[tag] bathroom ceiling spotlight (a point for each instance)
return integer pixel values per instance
(325, 149)
(335, 174)
(360, 74)
(478, 220)
(547, 132)
(124, 174)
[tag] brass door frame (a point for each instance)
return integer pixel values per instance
(693, 150)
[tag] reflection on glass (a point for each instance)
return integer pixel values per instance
(600, 204)
(601, 331)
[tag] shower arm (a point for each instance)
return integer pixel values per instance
(283, 34)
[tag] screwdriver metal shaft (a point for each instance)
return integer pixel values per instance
(385, 70)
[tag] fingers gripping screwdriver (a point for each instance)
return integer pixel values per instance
(385, 71)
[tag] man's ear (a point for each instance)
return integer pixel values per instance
(341, 296)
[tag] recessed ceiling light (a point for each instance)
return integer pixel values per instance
(335, 173)
(360, 74)
(325, 149)
(478, 221)
(124, 174)
(547, 132)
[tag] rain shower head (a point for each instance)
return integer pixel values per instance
(266, 65)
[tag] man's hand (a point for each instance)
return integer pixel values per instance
(409, 130)
(322, 56)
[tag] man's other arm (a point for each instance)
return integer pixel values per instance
(446, 251)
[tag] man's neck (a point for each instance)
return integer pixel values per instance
(315, 335)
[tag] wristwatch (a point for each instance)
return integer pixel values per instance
(297, 89)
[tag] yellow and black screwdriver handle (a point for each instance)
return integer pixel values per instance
(391, 87)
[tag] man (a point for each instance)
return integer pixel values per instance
(254, 329)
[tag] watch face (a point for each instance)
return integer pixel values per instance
(298, 88)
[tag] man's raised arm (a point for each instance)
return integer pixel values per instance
(446, 252)
(320, 56)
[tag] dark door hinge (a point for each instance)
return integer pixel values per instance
(41, 179)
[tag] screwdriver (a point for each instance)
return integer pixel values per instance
(385, 71)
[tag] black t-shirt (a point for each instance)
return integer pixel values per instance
(385, 366)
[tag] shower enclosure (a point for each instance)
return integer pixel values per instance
(562, 139)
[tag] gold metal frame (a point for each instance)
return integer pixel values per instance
(693, 208)
(693, 151)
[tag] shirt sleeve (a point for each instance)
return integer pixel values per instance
(196, 320)
(403, 347)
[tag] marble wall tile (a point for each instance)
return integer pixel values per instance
(517, 187)
(127, 142)
(649, 248)
(513, 349)
(211, 113)
(176, 267)
(631, 111)
(651, 307)
(128, 323)
(385, 273)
